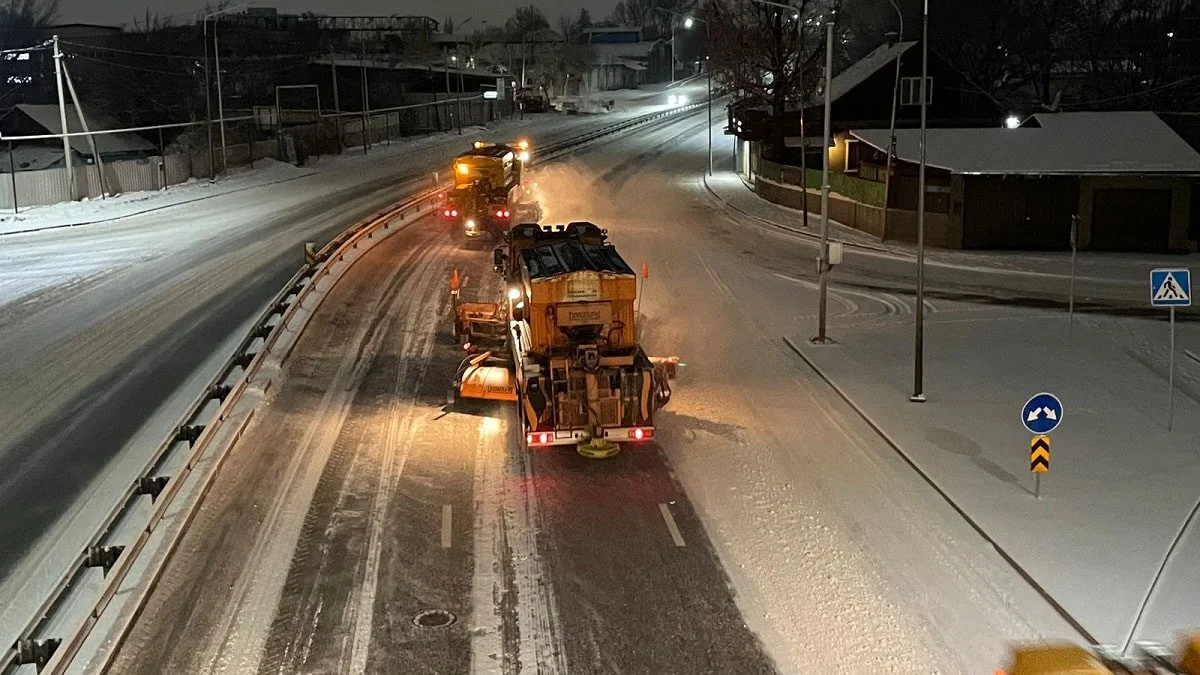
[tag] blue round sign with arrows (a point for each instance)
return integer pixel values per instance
(1042, 413)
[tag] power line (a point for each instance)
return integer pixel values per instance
(128, 51)
(140, 69)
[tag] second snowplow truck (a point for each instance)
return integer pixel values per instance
(569, 355)
(489, 192)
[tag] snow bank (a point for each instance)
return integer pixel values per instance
(87, 211)
(1120, 485)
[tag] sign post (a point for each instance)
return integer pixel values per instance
(1039, 462)
(1171, 288)
(1041, 414)
(1071, 299)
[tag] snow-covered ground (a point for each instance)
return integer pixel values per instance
(1120, 485)
(90, 211)
(1096, 271)
(107, 328)
(842, 560)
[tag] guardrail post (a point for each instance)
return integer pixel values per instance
(103, 557)
(151, 486)
(219, 391)
(189, 433)
(36, 652)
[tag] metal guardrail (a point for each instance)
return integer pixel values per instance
(54, 654)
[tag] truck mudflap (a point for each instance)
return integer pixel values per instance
(665, 369)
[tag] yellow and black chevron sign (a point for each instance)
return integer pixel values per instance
(1039, 454)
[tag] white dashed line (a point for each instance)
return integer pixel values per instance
(447, 527)
(671, 526)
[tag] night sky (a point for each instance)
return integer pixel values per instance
(116, 12)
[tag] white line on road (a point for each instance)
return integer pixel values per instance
(446, 526)
(671, 526)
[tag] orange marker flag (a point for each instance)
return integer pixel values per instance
(645, 271)
(454, 281)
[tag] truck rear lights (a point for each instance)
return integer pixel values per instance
(502, 213)
(450, 213)
(641, 434)
(540, 438)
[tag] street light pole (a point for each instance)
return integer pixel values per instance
(824, 260)
(212, 158)
(220, 101)
(708, 68)
(887, 178)
(918, 395)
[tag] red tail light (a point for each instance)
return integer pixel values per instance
(541, 438)
(640, 434)
(454, 212)
(446, 213)
(502, 213)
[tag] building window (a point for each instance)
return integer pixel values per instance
(910, 90)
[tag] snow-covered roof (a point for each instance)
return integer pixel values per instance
(859, 71)
(1066, 143)
(47, 116)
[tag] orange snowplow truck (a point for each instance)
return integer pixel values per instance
(571, 359)
(1068, 659)
(488, 194)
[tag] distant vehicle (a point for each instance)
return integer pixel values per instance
(488, 190)
(533, 103)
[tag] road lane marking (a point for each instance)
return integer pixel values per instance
(671, 526)
(446, 526)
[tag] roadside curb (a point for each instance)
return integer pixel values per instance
(891, 442)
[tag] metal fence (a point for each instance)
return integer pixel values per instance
(335, 133)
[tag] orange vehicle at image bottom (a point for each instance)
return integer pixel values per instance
(561, 343)
(1148, 658)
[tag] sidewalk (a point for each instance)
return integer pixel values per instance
(1120, 486)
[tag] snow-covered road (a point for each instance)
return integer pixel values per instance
(771, 504)
(110, 329)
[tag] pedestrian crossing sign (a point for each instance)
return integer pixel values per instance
(1171, 288)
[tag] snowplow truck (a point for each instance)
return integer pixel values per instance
(489, 194)
(1146, 658)
(571, 360)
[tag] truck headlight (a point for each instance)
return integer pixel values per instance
(470, 224)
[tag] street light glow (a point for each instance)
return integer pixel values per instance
(1012, 122)
(688, 22)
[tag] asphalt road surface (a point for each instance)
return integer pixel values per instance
(97, 371)
(359, 526)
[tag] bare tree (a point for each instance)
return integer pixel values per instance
(24, 14)
(766, 53)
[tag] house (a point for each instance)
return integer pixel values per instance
(1130, 179)
(621, 59)
(862, 99)
(36, 120)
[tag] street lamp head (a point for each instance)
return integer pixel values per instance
(688, 22)
(1012, 122)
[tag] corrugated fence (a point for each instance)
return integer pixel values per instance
(49, 186)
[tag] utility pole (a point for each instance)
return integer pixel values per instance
(337, 102)
(212, 157)
(708, 67)
(84, 125)
(366, 116)
(62, 119)
(887, 178)
(220, 101)
(919, 347)
(824, 259)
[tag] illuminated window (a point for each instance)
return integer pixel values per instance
(910, 90)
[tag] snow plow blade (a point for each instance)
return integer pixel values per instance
(486, 382)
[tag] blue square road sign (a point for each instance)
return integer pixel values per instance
(1171, 288)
